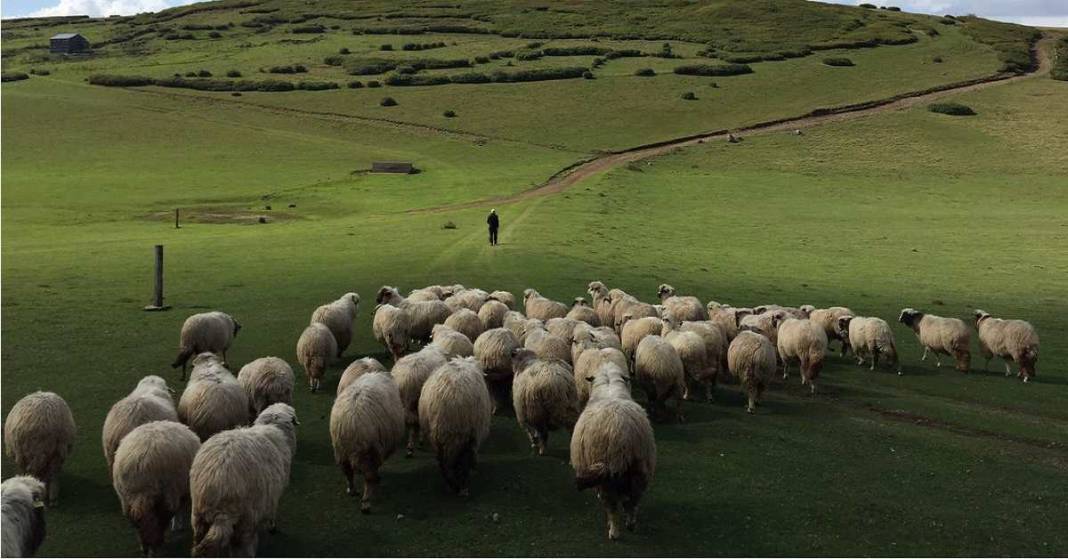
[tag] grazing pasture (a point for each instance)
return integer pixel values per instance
(898, 209)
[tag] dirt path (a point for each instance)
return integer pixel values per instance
(581, 170)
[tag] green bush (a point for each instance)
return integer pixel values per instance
(374, 83)
(309, 29)
(203, 74)
(624, 53)
(470, 77)
(538, 74)
(449, 114)
(575, 51)
(19, 76)
(355, 84)
(645, 72)
(588, 75)
(215, 35)
(316, 85)
(689, 96)
(334, 60)
(233, 74)
(482, 60)
(40, 72)
(388, 102)
(406, 69)
(386, 47)
(528, 55)
(937, 60)
(837, 61)
(954, 109)
(112, 80)
(411, 79)
(713, 69)
(1060, 60)
(343, 50)
(290, 69)
(868, 6)
(947, 21)
(189, 74)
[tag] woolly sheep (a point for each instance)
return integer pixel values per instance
(625, 307)
(149, 401)
(602, 305)
(682, 307)
(751, 359)
(548, 346)
(236, 480)
(613, 448)
(424, 294)
(492, 314)
(151, 479)
(38, 437)
(493, 351)
(205, 332)
(583, 312)
(356, 369)
(23, 515)
(1008, 339)
(563, 327)
(316, 349)
(267, 380)
(659, 371)
(451, 342)
(943, 336)
(600, 337)
(515, 322)
(470, 299)
(410, 374)
(763, 323)
(339, 317)
(868, 335)
(691, 349)
(505, 297)
(366, 427)
(422, 315)
(536, 306)
(589, 361)
(543, 395)
(390, 326)
(788, 312)
(466, 322)
(803, 341)
(634, 331)
(213, 400)
(828, 320)
(454, 415)
(725, 318)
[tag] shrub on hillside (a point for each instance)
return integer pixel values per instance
(689, 96)
(482, 60)
(386, 47)
(575, 51)
(1060, 60)
(289, 69)
(411, 79)
(470, 77)
(588, 75)
(233, 74)
(203, 74)
(839, 61)
(623, 53)
(215, 35)
(538, 74)
(308, 29)
(645, 72)
(374, 83)
(40, 72)
(954, 109)
(528, 55)
(713, 69)
(868, 6)
(388, 102)
(112, 80)
(308, 85)
(19, 76)
(449, 114)
(334, 60)
(355, 84)
(343, 50)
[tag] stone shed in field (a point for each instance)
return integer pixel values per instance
(68, 43)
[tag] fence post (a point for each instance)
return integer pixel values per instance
(176, 226)
(157, 301)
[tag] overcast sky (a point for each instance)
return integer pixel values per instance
(1029, 12)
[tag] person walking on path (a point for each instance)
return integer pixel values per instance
(494, 223)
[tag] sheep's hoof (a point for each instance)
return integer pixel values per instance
(613, 535)
(899, 373)
(1027, 379)
(365, 508)
(464, 492)
(750, 410)
(409, 454)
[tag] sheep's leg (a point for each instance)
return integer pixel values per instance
(370, 482)
(874, 359)
(708, 390)
(531, 436)
(245, 544)
(53, 490)
(612, 511)
(751, 408)
(413, 434)
(630, 511)
(1008, 370)
(785, 373)
(938, 359)
(349, 473)
(543, 441)
(925, 350)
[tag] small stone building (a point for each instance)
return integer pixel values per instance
(68, 43)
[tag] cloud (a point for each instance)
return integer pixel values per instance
(106, 7)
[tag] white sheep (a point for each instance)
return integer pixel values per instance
(151, 479)
(751, 359)
(828, 320)
(410, 374)
(626, 307)
(804, 342)
(787, 312)
(339, 316)
(602, 304)
(422, 315)
(205, 332)
(589, 361)
(390, 327)
(682, 307)
(515, 323)
(356, 369)
(267, 380)
(1008, 339)
(471, 299)
(613, 448)
(213, 400)
(659, 371)
(466, 322)
(38, 437)
(454, 415)
(316, 349)
(868, 336)
(493, 351)
(725, 318)
(563, 327)
(600, 337)
(943, 336)
(236, 480)
(505, 297)
(366, 427)
(492, 314)
(763, 323)
(583, 312)
(691, 349)
(536, 306)
(451, 342)
(149, 401)
(636, 330)
(543, 395)
(23, 521)
(548, 346)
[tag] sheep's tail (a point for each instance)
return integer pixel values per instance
(594, 475)
(183, 357)
(217, 539)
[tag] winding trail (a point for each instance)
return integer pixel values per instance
(586, 168)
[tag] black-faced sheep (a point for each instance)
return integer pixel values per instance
(366, 427)
(804, 342)
(493, 350)
(868, 336)
(1014, 340)
(943, 336)
(38, 437)
(828, 320)
(682, 307)
(213, 400)
(454, 415)
(613, 449)
(410, 374)
(149, 401)
(390, 327)
(536, 306)
(451, 342)
(751, 359)
(151, 479)
(466, 322)
(339, 316)
(492, 314)
(659, 372)
(543, 395)
(316, 349)
(267, 380)
(205, 332)
(236, 480)
(23, 515)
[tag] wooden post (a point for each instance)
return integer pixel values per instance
(176, 226)
(157, 302)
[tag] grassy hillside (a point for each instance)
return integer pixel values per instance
(905, 208)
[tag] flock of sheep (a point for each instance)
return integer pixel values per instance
(558, 367)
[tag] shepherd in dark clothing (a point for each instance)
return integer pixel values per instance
(494, 223)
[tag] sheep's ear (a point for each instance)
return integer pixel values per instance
(589, 378)
(295, 420)
(38, 503)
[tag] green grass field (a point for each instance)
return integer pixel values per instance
(902, 208)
